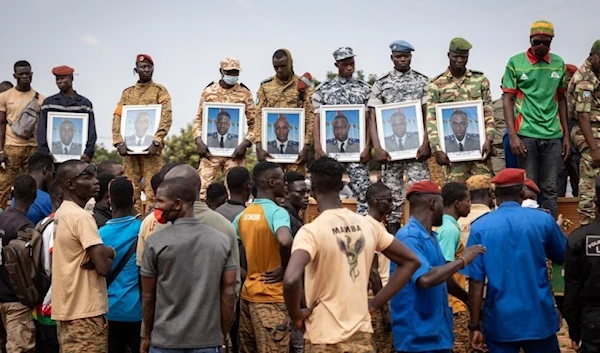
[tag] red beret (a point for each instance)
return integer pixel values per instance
(304, 81)
(531, 185)
(144, 58)
(424, 187)
(62, 71)
(509, 177)
(571, 69)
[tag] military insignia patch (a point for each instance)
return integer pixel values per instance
(592, 245)
(587, 96)
(257, 100)
(142, 58)
(394, 47)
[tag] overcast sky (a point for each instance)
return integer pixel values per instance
(187, 39)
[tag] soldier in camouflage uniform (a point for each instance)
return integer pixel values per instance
(459, 84)
(283, 91)
(144, 92)
(345, 89)
(226, 90)
(584, 98)
(399, 85)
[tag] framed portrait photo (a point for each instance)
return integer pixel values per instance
(138, 126)
(67, 135)
(400, 128)
(223, 127)
(283, 131)
(461, 129)
(343, 131)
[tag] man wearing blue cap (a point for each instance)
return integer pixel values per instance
(345, 89)
(399, 85)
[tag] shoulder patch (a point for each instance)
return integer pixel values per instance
(210, 84)
(437, 77)
(243, 85)
(267, 80)
(592, 245)
(476, 72)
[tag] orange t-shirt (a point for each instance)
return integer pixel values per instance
(13, 102)
(341, 245)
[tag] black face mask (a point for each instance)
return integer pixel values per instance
(541, 51)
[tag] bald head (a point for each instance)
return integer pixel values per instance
(69, 169)
(188, 173)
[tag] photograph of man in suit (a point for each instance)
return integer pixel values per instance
(341, 143)
(281, 144)
(141, 137)
(222, 138)
(66, 144)
(459, 140)
(401, 139)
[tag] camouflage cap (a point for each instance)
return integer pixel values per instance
(343, 53)
(479, 182)
(230, 63)
(596, 47)
(542, 27)
(459, 44)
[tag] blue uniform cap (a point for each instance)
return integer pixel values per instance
(401, 46)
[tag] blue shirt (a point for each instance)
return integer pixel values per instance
(519, 304)
(421, 318)
(41, 207)
(124, 302)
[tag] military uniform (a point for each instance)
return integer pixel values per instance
(215, 93)
(350, 145)
(274, 93)
(445, 88)
(498, 162)
(143, 166)
(290, 147)
(229, 140)
(470, 143)
(397, 87)
(338, 91)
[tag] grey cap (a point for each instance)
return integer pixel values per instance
(343, 53)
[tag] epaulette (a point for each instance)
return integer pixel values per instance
(266, 80)
(438, 76)
(243, 85)
(476, 72)
(472, 135)
(210, 84)
(294, 143)
(272, 143)
(449, 137)
(383, 76)
(418, 73)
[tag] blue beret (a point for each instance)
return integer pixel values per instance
(402, 46)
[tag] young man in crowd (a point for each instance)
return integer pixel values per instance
(20, 329)
(80, 263)
(216, 195)
(239, 184)
(124, 304)
(102, 212)
(335, 253)
(482, 202)
(170, 292)
(41, 168)
(296, 199)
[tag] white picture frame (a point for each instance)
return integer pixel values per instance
(406, 119)
(136, 120)
(67, 130)
(354, 115)
(469, 113)
(274, 120)
(234, 135)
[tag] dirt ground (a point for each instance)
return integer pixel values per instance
(563, 339)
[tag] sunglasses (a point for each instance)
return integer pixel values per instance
(89, 170)
(545, 43)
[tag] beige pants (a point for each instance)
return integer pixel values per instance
(20, 329)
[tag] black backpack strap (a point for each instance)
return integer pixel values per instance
(122, 264)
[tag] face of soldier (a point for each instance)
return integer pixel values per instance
(345, 67)
(398, 123)
(282, 130)
(340, 129)
(459, 124)
(401, 61)
(64, 83)
(67, 130)
(144, 70)
(282, 71)
(223, 124)
(142, 123)
(458, 60)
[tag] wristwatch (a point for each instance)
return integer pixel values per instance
(474, 327)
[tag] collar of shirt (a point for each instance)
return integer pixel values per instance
(461, 141)
(508, 204)
(68, 147)
(400, 73)
(121, 220)
(279, 143)
(534, 59)
(480, 207)
(449, 75)
(145, 84)
(187, 220)
(223, 136)
(344, 80)
(345, 142)
(264, 201)
(452, 220)
(60, 96)
(401, 139)
(425, 234)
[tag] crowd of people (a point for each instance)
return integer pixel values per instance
(211, 266)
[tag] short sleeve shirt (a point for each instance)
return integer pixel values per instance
(12, 102)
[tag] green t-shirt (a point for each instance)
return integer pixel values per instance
(448, 235)
(536, 84)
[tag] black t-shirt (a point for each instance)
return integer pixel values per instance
(11, 221)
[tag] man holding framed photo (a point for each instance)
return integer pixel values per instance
(67, 101)
(399, 85)
(144, 92)
(459, 84)
(226, 90)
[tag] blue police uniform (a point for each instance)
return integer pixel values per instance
(422, 318)
(519, 308)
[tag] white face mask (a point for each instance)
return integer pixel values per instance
(230, 80)
(530, 204)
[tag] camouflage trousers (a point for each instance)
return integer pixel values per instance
(498, 162)
(138, 167)
(88, 335)
(210, 168)
(20, 328)
(392, 175)
(360, 342)
(263, 328)
(382, 333)
(587, 189)
(461, 171)
(436, 171)
(293, 167)
(462, 342)
(16, 163)
(359, 182)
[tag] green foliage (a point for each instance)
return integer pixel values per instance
(181, 148)
(102, 154)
